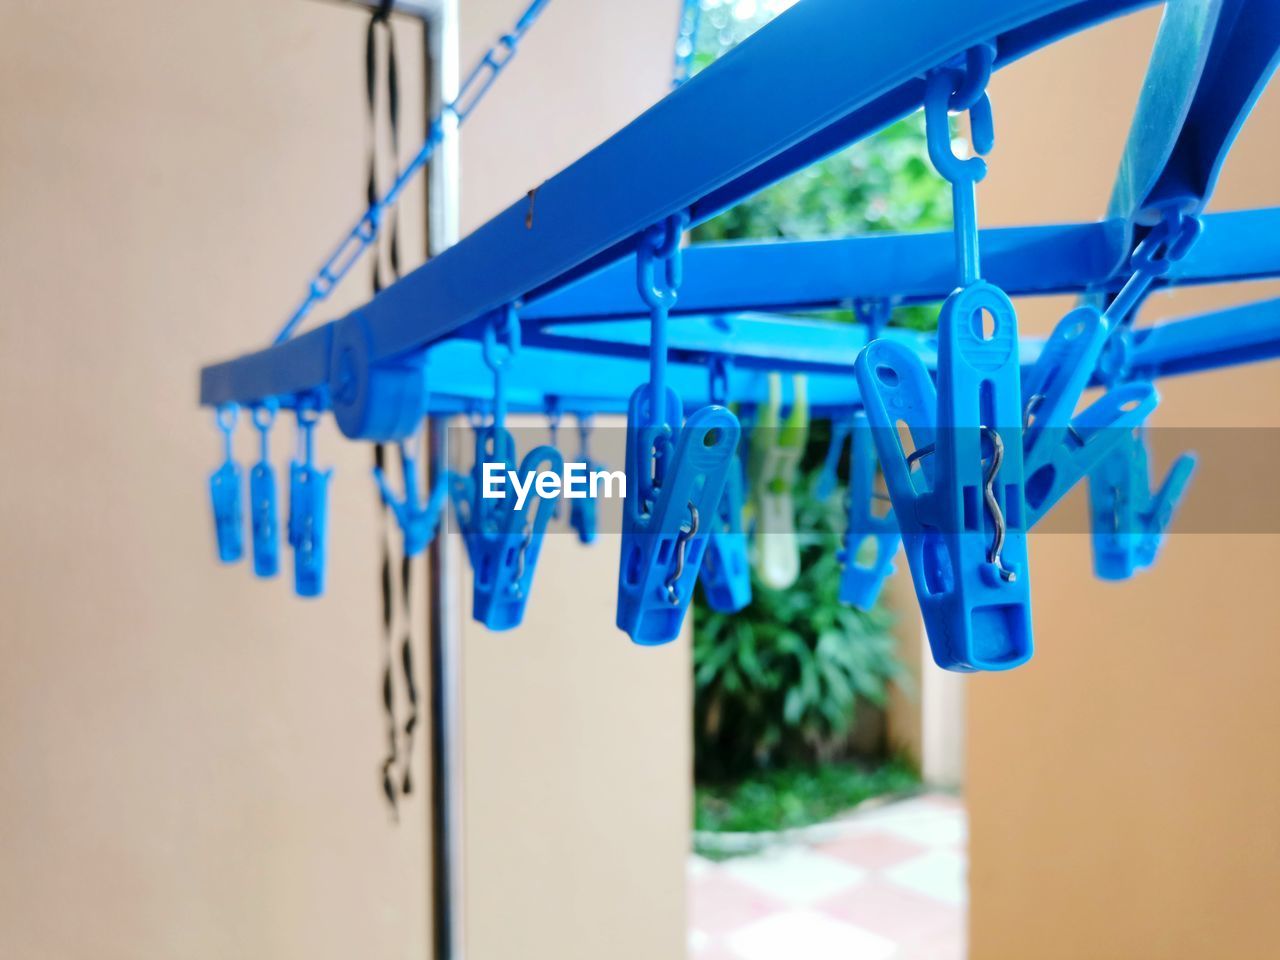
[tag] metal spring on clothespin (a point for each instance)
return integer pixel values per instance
(675, 469)
(264, 512)
(961, 510)
(726, 567)
(308, 505)
(225, 493)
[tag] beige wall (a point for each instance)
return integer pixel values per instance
(577, 744)
(1123, 785)
(188, 757)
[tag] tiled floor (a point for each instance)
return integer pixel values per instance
(885, 884)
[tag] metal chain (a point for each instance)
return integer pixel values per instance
(451, 115)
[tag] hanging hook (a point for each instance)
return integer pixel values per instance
(224, 491)
(264, 512)
(308, 505)
(418, 520)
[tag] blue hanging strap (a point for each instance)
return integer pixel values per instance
(418, 520)
(308, 506)
(686, 41)
(225, 494)
(726, 570)
(582, 510)
(958, 493)
(871, 535)
(675, 471)
(263, 508)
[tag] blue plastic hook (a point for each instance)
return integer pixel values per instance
(726, 569)
(225, 492)
(263, 509)
(308, 507)
(871, 538)
(1129, 521)
(417, 520)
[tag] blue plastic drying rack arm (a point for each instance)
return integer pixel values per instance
(798, 275)
(787, 96)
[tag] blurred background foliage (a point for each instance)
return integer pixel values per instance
(780, 688)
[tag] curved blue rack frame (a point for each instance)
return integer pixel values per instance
(786, 97)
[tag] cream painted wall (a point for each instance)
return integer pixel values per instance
(1123, 786)
(188, 757)
(577, 743)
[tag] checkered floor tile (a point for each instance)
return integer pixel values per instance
(885, 884)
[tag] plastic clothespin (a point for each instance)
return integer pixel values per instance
(1129, 521)
(726, 572)
(264, 511)
(582, 510)
(867, 530)
(308, 506)
(507, 548)
(829, 476)
(1061, 447)
(503, 532)
(676, 469)
(958, 494)
(417, 520)
(225, 492)
(776, 449)
(665, 523)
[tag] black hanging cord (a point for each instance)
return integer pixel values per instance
(381, 20)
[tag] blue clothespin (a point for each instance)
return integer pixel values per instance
(308, 507)
(675, 470)
(263, 510)
(506, 550)
(224, 491)
(417, 520)
(1061, 447)
(829, 476)
(582, 511)
(503, 532)
(958, 495)
(726, 569)
(871, 538)
(1128, 520)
